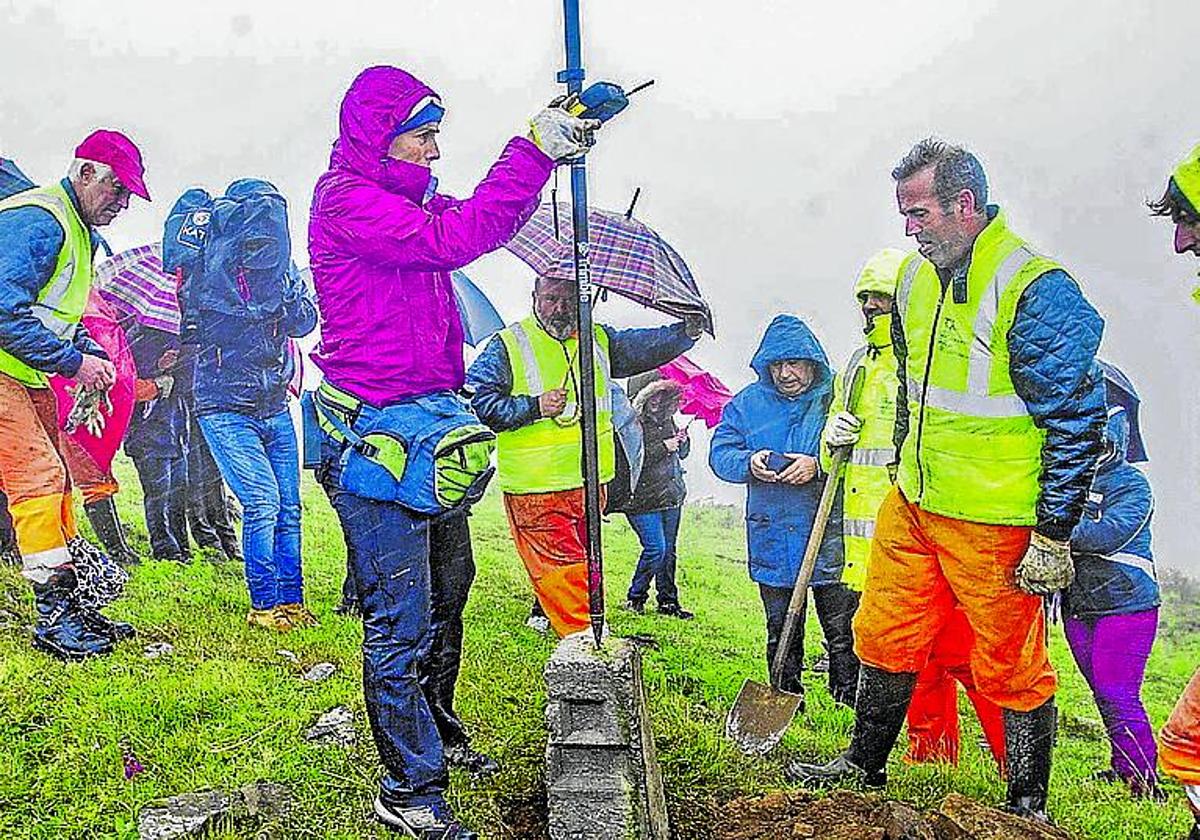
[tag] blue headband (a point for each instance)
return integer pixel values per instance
(431, 112)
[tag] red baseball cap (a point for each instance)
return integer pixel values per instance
(118, 151)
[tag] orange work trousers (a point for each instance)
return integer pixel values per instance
(923, 567)
(933, 733)
(549, 531)
(93, 483)
(1179, 742)
(34, 478)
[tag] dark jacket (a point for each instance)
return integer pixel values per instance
(489, 379)
(242, 360)
(660, 485)
(159, 427)
(779, 517)
(30, 241)
(1052, 346)
(1114, 564)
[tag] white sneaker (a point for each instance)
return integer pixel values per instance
(424, 822)
(538, 624)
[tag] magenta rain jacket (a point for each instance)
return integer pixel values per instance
(382, 251)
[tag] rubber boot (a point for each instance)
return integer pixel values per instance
(836, 605)
(103, 516)
(883, 699)
(1029, 743)
(62, 629)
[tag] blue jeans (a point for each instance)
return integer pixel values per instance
(260, 462)
(657, 531)
(164, 500)
(388, 548)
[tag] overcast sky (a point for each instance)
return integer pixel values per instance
(763, 151)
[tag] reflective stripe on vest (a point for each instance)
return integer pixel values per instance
(972, 451)
(545, 456)
(62, 300)
(864, 528)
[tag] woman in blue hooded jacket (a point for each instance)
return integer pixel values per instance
(774, 420)
(1111, 608)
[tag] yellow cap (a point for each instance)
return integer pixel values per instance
(1187, 177)
(881, 273)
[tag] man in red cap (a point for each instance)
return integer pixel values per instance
(47, 243)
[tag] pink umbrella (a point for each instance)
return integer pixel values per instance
(704, 396)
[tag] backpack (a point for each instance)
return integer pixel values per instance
(232, 254)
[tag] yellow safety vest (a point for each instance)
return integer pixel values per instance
(62, 300)
(546, 455)
(865, 479)
(972, 451)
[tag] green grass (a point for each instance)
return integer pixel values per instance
(227, 709)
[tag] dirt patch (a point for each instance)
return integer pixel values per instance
(845, 815)
(526, 817)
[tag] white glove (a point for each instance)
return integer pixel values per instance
(560, 135)
(843, 429)
(165, 384)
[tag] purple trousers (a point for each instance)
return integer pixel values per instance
(1112, 652)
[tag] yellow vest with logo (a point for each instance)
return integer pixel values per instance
(865, 479)
(972, 451)
(546, 455)
(62, 300)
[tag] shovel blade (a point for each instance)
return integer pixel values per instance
(760, 716)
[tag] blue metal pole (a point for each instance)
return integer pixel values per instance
(573, 77)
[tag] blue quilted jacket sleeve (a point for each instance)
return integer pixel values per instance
(490, 380)
(1052, 351)
(30, 240)
(635, 351)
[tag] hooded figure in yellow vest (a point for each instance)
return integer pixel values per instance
(865, 479)
(1179, 743)
(525, 385)
(46, 248)
(999, 418)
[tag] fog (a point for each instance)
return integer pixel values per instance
(763, 151)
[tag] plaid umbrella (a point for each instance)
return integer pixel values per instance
(627, 257)
(704, 396)
(135, 282)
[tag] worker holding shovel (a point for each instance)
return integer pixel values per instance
(999, 419)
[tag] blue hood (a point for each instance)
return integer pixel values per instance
(787, 337)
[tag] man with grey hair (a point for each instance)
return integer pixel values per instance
(999, 417)
(47, 240)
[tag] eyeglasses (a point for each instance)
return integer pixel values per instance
(120, 189)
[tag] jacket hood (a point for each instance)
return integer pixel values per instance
(379, 100)
(648, 392)
(787, 337)
(1116, 439)
(881, 273)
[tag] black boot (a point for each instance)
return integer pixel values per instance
(836, 605)
(103, 516)
(61, 629)
(883, 699)
(1028, 744)
(118, 631)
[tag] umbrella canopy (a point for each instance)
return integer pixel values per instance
(704, 396)
(627, 258)
(135, 282)
(479, 317)
(1119, 390)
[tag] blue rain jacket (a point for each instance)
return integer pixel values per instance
(779, 517)
(1114, 565)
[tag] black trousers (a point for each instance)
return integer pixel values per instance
(835, 605)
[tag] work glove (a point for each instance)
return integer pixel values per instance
(842, 430)
(166, 384)
(560, 135)
(1046, 567)
(88, 410)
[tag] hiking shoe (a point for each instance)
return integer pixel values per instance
(118, 631)
(473, 761)
(299, 615)
(821, 666)
(676, 611)
(538, 624)
(61, 629)
(422, 822)
(638, 607)
(841, 772)
(271, 618)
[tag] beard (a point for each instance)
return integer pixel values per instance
(560, 328)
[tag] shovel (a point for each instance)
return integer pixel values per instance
(762, 713)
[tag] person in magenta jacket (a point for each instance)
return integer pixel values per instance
(382, 243)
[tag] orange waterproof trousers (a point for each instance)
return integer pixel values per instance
(549, 530)
(924, 566)
(1179, 742)
(933, 733)
(34, 478)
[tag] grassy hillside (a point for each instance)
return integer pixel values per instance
(227, 708)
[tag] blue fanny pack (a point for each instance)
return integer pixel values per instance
(429, 454)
